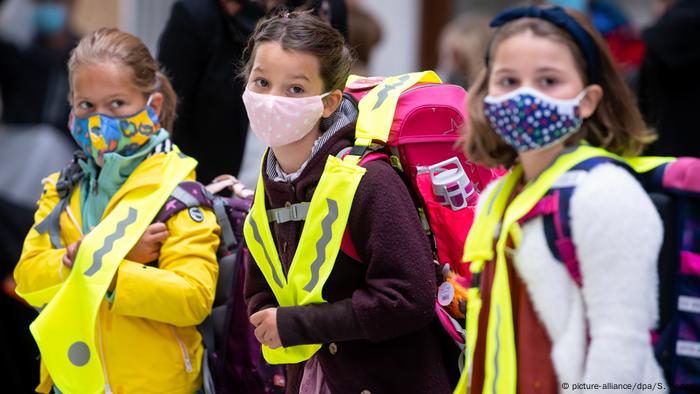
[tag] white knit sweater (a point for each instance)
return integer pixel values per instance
(618, 234)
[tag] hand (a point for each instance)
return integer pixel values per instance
(265, 322)
(147, 249)
(68, 258)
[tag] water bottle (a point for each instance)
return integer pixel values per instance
(451, 185)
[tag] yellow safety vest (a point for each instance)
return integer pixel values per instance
(65, 328)
(327, 215)
(500, 369)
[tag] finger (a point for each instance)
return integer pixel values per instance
(256, 318)
(66, 261)
(71, 251)
(260, 334)
(159, 237)
(157, 228)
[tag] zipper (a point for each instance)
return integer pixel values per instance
(183, 350)
(108, 388)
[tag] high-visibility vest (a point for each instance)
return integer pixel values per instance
(500, 365)
(327, 215)
(65, 328)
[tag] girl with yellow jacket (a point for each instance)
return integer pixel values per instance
(144, 338)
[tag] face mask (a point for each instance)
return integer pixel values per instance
(527, 119)
(99, 134)
(50, 18)
(278, 120)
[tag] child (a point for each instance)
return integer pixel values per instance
(146, 338)
(341, 325)
(548, 85)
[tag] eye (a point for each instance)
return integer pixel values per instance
(115, 104)
(547, 81)
(261, 83)
(507, 81)
(86, 105)
(296, 89)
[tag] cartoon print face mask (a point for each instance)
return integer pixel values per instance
(99, 134)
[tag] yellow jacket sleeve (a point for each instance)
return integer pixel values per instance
(181, 290)
(39, 268)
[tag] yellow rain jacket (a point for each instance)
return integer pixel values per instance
(147, 338)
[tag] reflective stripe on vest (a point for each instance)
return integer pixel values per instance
(318, 247)
(65, 328)
(499, 220)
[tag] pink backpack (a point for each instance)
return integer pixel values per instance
(422, 146)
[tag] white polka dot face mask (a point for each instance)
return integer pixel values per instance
(278, 120)
(527, 119)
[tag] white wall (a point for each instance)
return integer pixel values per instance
(398, 52)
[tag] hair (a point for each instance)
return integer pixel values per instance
(616, 125)
(113, 45)
(301, 31)
(464, 40)
(364, 32)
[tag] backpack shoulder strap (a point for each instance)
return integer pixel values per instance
(346, 244)
(554, 208)
(71, 174)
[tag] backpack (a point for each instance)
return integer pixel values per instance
(674, 188)
(233, 360)
(422, 146)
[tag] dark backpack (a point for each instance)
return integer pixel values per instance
(674, 188)
(233, 360)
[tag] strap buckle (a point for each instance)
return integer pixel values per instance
(293, 213)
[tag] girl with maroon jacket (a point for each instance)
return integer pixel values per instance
(377, 326)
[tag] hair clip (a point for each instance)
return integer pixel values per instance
(286, 15)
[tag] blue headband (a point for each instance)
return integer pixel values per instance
(558, 17)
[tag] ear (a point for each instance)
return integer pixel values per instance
(590, 101)
(157, 102)
(331, 102)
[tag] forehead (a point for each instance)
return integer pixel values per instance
(102, 78)
(528, 52)
(270, 57)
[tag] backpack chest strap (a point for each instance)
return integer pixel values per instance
(292, 213)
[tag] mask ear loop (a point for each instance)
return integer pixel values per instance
(323, 96)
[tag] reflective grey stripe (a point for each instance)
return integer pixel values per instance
(326, 235)
(109, 242)
(185, 197)
(258, 239)
(383, 94)
(293, 213)
(227, 237)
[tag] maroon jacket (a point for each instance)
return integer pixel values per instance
(378, 328)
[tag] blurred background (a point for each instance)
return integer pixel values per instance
(199, 43)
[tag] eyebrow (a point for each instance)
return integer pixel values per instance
(504, 70)
(548, 68)
(111, 97)
(301, 76)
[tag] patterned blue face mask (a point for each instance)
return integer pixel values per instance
(99, 134)
(527, 119)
